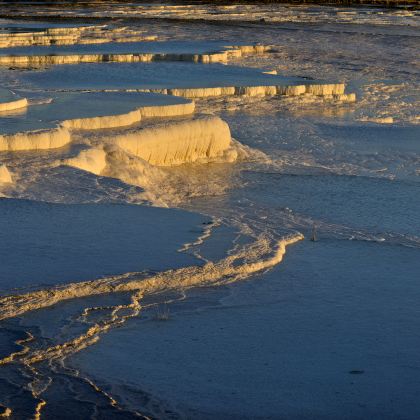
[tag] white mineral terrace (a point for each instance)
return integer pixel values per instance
(182, 79)
(171, 143)
(180, 142)
(93, 34)
(49, 125)
(328, 90)
(35, 140)
(10, 101)
(127, 53)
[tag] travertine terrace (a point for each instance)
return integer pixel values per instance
(11, 102)
(69, 35)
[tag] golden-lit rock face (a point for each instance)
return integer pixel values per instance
(179, 142)
(5, 176)
(13, 105)
(35, 140)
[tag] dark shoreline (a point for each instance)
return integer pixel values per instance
(344, 3)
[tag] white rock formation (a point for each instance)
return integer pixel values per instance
(112, 121)
(201, 92)
(5, 176)
(325, 89)
(291, 90)
(60, 135)
(221, 56)
(317, 89)
(378, 120)
(97, 34)
(35, 140)
(165, 111)
(256, 90)
(345, 97)
(91, 160)
(13, 105)
(179, 142)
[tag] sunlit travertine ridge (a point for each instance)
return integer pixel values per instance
(208, 211)
(69, 35)
(49, 133)
(43, 56)
(10, 102)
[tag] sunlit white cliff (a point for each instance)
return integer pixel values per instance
(35, 140)
(179, 142)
